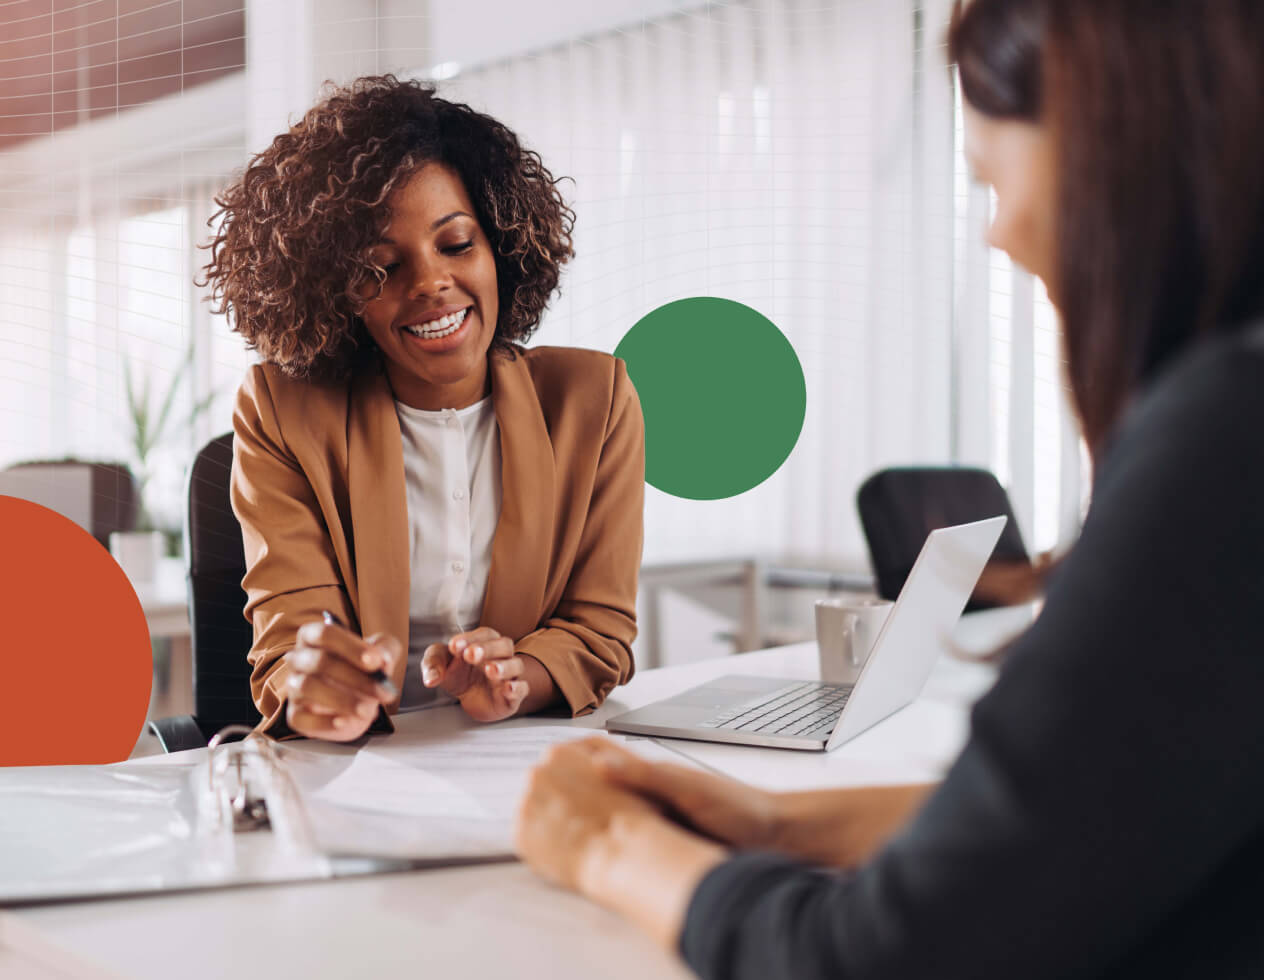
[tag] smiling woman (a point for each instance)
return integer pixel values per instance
(436, 355)
(470, 507)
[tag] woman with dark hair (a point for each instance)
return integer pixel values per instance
(426, 506)
(1106, 817)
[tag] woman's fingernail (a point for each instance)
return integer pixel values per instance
(493, 670)
(476, 653)
(428, 677)
(371, 658)
(305, 659)
(459, 645)
(341, 722)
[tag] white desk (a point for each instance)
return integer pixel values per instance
(497, 921)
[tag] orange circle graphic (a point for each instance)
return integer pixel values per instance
(75, 661)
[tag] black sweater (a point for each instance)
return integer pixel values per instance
(1106, 818)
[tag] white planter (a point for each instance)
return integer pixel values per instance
(138, 553)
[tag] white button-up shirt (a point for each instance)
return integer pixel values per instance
(452, 483)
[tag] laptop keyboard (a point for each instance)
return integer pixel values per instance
(796, 709)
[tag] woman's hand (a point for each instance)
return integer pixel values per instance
(330, 693)
(1011, 583)
(569, 811)
(481, 670)
(715, 806)
(579, 830)
(837, 827)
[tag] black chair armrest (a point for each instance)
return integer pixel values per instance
(177, 733)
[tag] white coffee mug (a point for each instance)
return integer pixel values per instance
(846, 630)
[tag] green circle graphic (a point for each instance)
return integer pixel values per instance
(723, 395)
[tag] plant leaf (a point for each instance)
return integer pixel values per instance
(200, 407)
(164, 413)
(144, 437)
(135, 410)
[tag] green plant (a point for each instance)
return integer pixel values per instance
(150, 425)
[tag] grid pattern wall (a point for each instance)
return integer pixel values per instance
(802, 158)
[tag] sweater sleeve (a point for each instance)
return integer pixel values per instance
(291, 571)
(1111, 772)
(586, 644)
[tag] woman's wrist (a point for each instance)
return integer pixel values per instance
(541, 691)
(841, 827)
(776, 822)
(647, 869)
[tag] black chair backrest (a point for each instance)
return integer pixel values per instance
(900, 506)
(115, 503)
(221, 635)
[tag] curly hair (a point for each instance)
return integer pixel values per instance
(292, 251)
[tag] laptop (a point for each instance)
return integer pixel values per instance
(808, 715)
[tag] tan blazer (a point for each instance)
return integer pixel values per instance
(318, 485)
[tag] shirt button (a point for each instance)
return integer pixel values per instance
(458, 493)
(458, 566)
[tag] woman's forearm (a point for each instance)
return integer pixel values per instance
(841, 827)
(647, 870)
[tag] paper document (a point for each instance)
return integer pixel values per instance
(442, 796)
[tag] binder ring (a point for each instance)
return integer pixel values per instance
(248, 810)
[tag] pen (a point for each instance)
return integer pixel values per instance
(379, 676)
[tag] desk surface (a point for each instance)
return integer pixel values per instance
(501, 920)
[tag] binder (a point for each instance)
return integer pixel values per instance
(236, 818)
(257, 811)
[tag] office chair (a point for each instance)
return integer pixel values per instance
(99, 497)
(221, 635)
(900, 506)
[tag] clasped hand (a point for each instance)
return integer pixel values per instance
(639, 835)
(586, 797)
(332, 693)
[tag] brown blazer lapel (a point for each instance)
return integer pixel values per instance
(379, 511)
(521, 549)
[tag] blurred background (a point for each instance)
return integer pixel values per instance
(799, 156)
